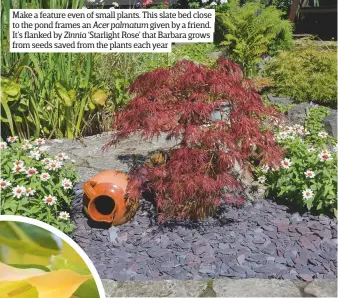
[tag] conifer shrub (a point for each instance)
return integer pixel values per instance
(192, 177)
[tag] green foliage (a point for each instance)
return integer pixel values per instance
(55, 93)
(33, 184)
(251, 31)
(307, 72)
(308, 174)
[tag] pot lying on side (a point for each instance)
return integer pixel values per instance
(105, 200)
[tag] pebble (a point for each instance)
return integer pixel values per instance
(262, 240)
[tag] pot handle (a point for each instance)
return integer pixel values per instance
(89, 189)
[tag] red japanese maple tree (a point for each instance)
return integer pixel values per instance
(179, 102)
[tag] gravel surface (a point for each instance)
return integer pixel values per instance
(261, 239)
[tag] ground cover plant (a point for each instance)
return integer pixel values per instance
(189, 180)
(306, 73)
(307, 176)
(252, 30)
(35, 184)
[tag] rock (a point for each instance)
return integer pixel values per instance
(255, 288)
(279, 100)
(298, 113)
(330, 122)
(113, 233)
(322, 288)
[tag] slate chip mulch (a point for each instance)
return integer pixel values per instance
(262, 239)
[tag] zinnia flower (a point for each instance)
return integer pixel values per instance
(3, 145)
(18, 191)
(18, 169)
(4, 183)
(12, 139)
(29, 192)
(307, 194)
(265, 168)
(18, 162)
(286, 163)
(311, 149)
(53, 165)
(35, 155)
(39, 141)
(309, 174)
(61, 156)
(31, 171)
(324, 155)
(27, 146)
(322, 134)
(66, 184)
(261, 179)
(44, 176)
(64, 215)
(50, 200)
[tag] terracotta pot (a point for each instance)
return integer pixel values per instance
(105, 200)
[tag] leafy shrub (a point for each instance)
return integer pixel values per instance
(33, 184)
(179, 101)
(307, 72)
(251, 31)
(307, 176)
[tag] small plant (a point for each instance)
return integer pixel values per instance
(33, 184)
(307, 176)
(251, 31)
(306, 73)
(191, 179)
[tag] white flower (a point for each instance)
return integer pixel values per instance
(302, 132)
(205, 1)
(265, 168)
(54, 165)
(311, 149)
(3, 145)
(27, 146)
(31, 171)
(224, 1)
(19, 163)
(39, 141)
(18, 191)
(44, 176)
(115, 4)
(29, 192)
(18, 169)
(35, 155)
(286, 163)
(4, 183)
(64, 215)
(283, 135)
(46, 160)
(61, 156)
(275, 168)
(213, 3)
(84, 7)
(12, 139)
(297, 126)
(25, 141)
(309, 174)
(307, 193)
(66, 184)
(261, 179)
(322, 134)
(288, 129)
(50, 200)
(324, 155)
(291, 137)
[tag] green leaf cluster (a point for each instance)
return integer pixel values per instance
(251, 31)
(306, 73)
